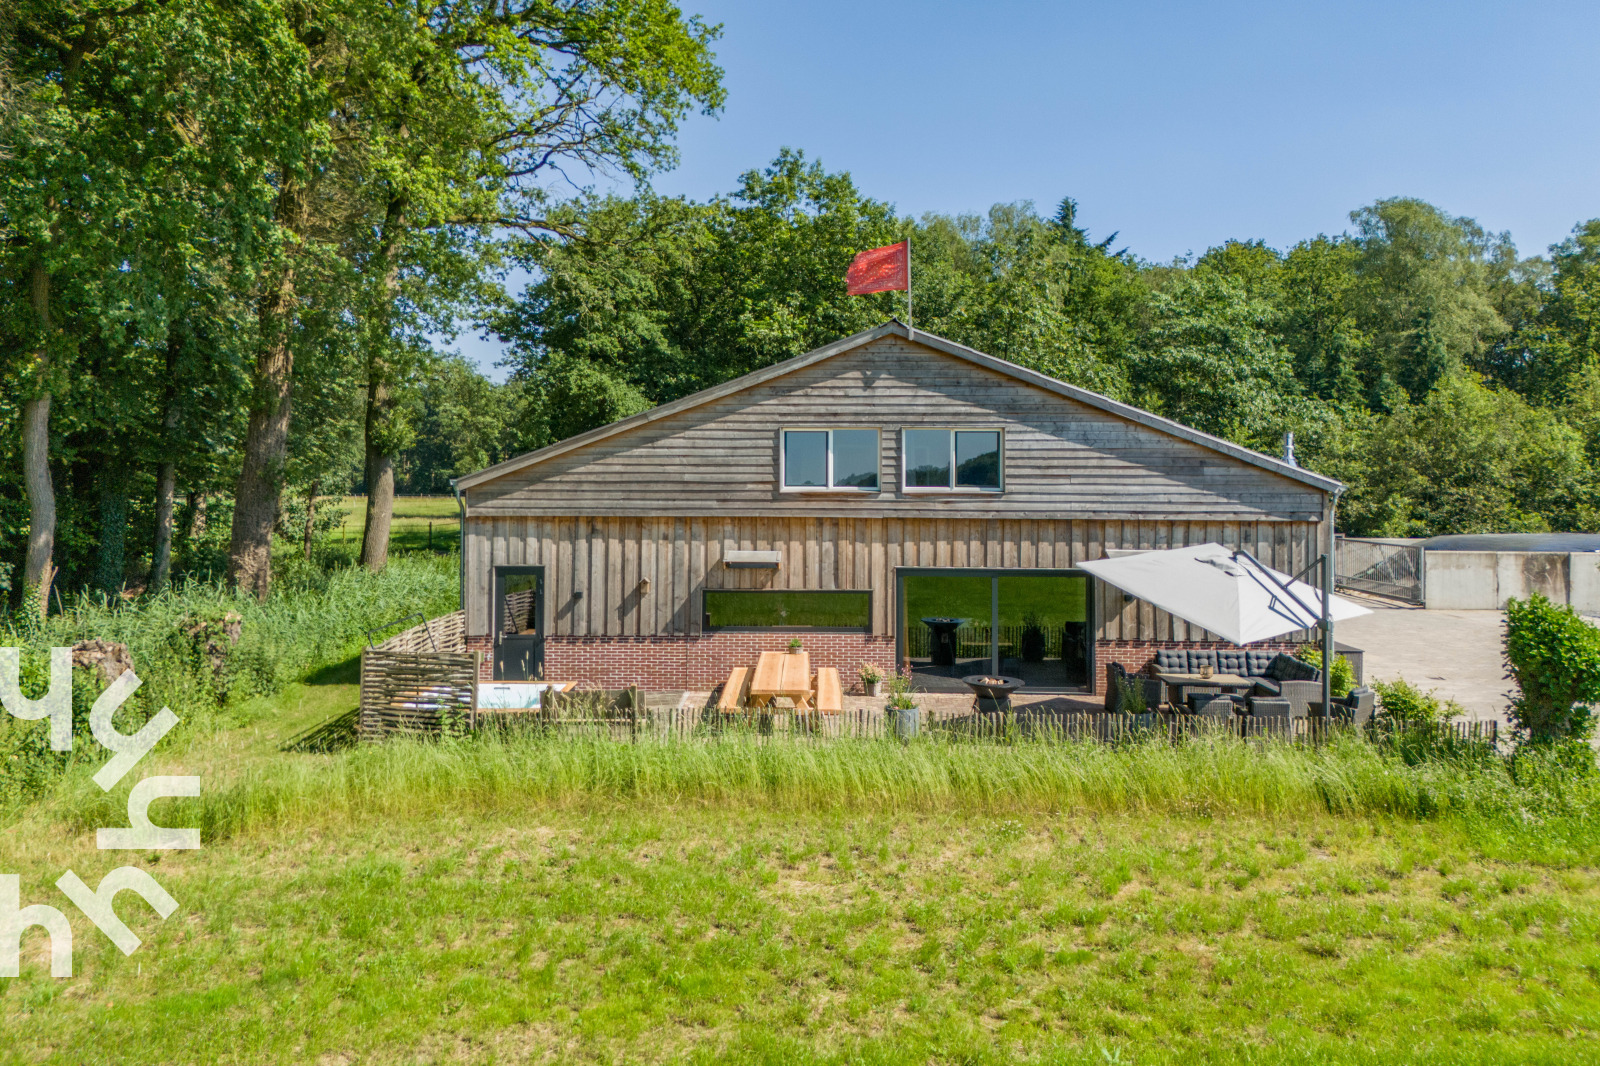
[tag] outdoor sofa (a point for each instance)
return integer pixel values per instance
(1274, 674)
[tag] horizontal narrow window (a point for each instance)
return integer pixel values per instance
(787, 609)
(954, 460)
(830, 459)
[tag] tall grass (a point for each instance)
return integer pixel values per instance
(314, 618)
(1218, 776)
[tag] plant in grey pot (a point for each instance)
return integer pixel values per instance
(871, 678)
(1033, 638)
(903, 708)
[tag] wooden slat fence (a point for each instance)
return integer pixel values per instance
(614, 714)
(689, 723)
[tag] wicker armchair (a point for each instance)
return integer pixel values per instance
(1155, 692)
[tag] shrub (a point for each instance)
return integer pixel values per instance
(1343, 678)
(1554, 657)
(1401, 701)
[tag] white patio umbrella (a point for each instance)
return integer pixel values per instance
(1222, 590)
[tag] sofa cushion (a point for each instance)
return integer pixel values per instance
(1230, 662)
(1287, 668)
(1256, 663)
(1197, 659)
(1172, 661)
(1265, 686)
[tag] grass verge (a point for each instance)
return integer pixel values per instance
(650, 931)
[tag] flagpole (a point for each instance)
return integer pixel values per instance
(908, 283)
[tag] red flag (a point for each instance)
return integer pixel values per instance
(886, 269)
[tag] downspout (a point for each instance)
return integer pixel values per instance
(461, 548)
(1327, 610)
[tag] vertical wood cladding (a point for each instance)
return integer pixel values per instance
(643, 576)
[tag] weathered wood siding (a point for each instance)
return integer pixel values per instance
(1063, 459)
(607, 558)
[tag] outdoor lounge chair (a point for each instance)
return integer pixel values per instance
(1214, 705)
(1269, 706)
(1356, 708)
(1155, 692)
(1290, 679)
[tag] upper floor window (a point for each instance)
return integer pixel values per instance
(820, 460)
(952, 460)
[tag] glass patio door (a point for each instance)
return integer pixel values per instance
(518, 623)
(1030, 625)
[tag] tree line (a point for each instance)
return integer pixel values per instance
(1453, 385)
(230, 229)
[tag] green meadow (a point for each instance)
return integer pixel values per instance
(573, 900)
(734, 900)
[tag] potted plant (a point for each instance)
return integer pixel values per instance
(871, 678)
(902, 707)
(1033, 639)
(795, 645)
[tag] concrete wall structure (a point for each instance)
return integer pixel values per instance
(1484, 581)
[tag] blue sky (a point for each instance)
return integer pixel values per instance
(1179, 125)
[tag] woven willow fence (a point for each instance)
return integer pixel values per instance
(428, 693)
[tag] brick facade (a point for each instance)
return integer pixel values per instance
(675, 663)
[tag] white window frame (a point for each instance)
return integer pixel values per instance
(952, 489)
(830, 487)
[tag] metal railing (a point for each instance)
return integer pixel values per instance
(1380, 567)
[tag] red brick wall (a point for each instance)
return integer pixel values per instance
(1135, 655)
(666, 663)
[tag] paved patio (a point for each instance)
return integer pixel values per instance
(1455, 653)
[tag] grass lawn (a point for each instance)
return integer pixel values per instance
(420, 903)
(413, 517)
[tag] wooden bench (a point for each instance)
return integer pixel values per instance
(735, 691)
(830, 694)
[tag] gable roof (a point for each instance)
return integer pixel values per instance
(894, 327)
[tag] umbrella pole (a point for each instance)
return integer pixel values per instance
(1327, 636)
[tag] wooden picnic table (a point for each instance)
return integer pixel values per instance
(782, 675)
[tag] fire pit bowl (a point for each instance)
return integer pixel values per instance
(991, 692)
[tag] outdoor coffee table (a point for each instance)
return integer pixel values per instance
(1223, 682)
(782, 675)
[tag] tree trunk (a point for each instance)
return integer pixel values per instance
(166, 491)
(380, 510)
(266, 440)
(37, 570)
(166, 474)
(380, 402)
(311, 517)
(197, 516)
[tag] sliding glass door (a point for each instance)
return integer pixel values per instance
(1032, 625)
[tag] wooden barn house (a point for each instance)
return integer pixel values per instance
(890, 498)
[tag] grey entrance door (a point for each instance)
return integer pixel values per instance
(518, 623)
